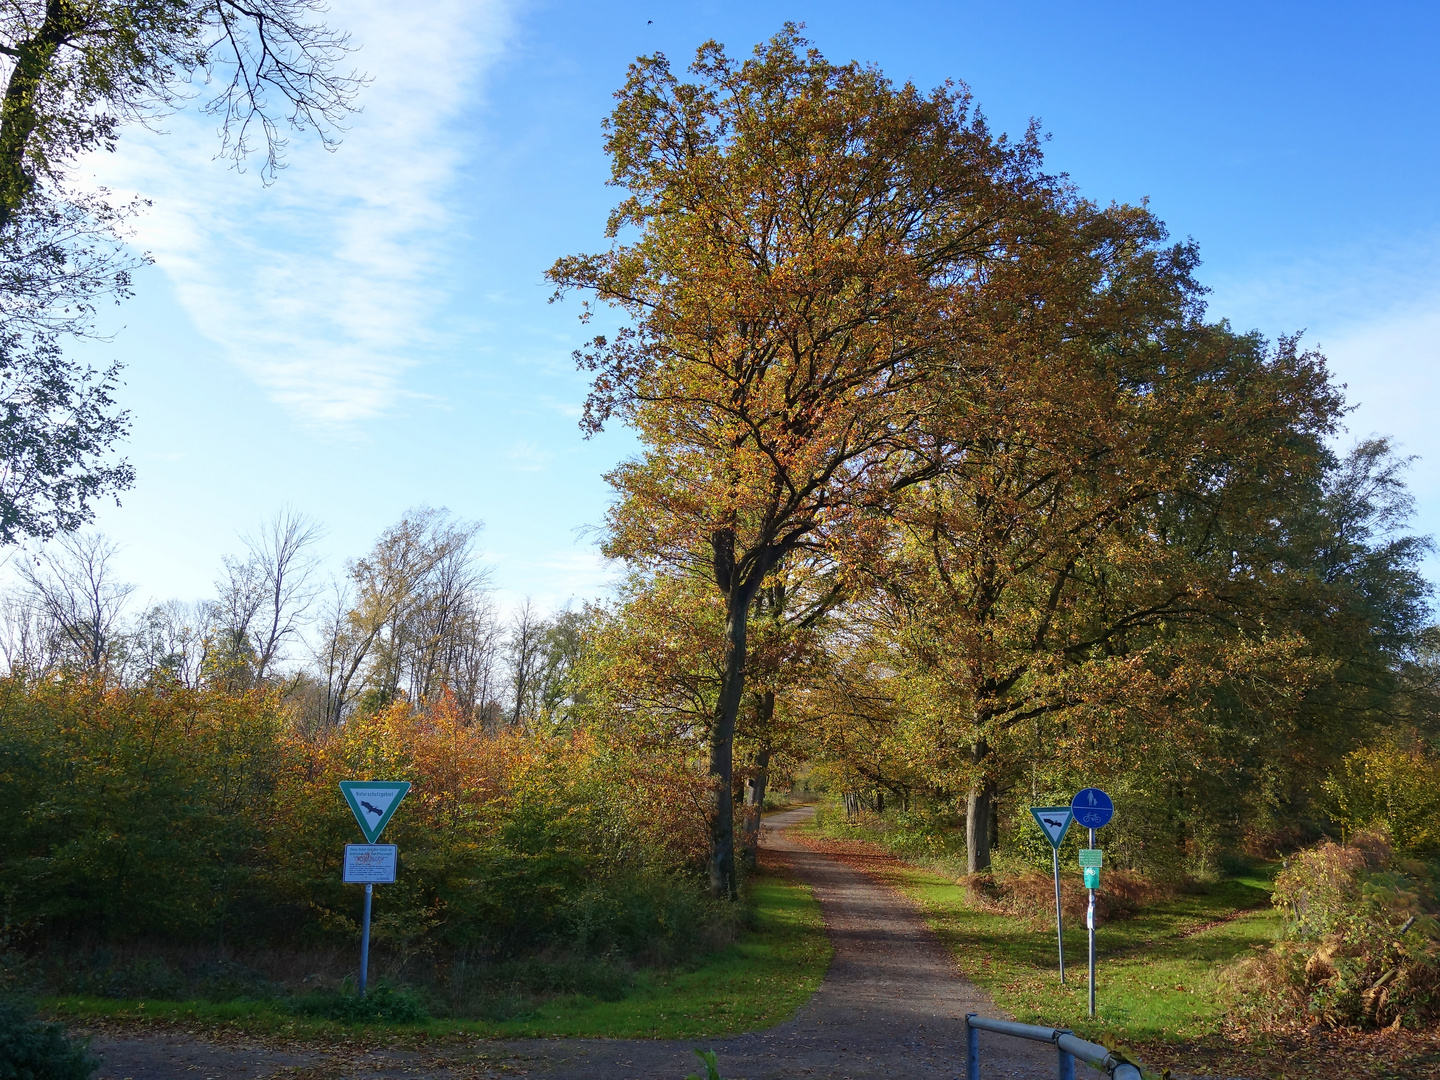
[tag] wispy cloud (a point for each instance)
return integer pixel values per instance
(324, 287)
(528, 457)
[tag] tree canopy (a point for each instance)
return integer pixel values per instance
(866, 333)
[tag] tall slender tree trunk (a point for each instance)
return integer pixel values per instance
(755, 788)
(979, 807)
(722, 746)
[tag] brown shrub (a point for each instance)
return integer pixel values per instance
(1031, 895)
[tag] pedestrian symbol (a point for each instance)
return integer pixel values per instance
(373, 802)
(1093, 808)
(1053, 821)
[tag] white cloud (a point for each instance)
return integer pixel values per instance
(528, 457)
(323, 287)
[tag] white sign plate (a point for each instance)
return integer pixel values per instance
(370, 864)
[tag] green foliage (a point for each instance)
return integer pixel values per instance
(382, 1004)
(33, 1050)
(1394, 788)
(141, 812)
(712, 1069)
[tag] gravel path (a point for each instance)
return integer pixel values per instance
(893, 1005)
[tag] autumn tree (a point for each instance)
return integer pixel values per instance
(797, 233)
(1093, 553)
(413, 617)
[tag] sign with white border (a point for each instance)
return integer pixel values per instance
(370, 864)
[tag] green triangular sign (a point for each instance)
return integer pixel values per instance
(373, 802)
(1053, 821)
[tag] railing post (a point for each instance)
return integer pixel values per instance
(972, 1049)
(1065, 1069)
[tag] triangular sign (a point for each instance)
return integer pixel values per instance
(373, 802)
(1053, 821)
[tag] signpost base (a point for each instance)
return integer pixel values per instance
(1089, 921)
(365, 948)
(1059, 924)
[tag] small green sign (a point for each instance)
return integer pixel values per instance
(373, 802)
(1092, 856)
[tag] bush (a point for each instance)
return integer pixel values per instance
(160, 814)
(1363, 945)
(382, 1004)
(33, 1050)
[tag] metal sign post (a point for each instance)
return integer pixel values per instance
(1093, 810)
(373, 802)
(1053, 822)
(372, 864)
(365, 946)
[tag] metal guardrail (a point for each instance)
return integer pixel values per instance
(1067, 1049)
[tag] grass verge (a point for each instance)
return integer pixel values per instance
(756, 983)
(1160, 992)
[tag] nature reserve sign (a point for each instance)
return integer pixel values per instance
(373, 802)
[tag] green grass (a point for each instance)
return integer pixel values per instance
(1158, 974)
(756, 983)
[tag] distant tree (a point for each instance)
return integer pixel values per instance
(73, 585)
(525, 658)
(410, 618)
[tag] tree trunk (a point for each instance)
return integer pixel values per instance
(755, 790)
(722, 746)
(979, 807)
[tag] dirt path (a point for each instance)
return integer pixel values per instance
(892, 1006)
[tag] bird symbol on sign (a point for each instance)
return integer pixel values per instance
(372, 809)
(1052, 821)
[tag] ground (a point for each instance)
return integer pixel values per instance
(892, 1005)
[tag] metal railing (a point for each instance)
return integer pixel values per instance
(1067, 1049)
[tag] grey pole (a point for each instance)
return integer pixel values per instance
(365, 949)
(1090, 921)
(1059, 926)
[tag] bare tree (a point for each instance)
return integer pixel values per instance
(28, 640)
(173, 640)
(397, 625)
(282, 568)
(525, 658)
(72, 582)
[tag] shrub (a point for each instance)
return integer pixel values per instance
(1363, 946)
(164, 814)
(1031, 895)
(382, 1004)
(33, 1050)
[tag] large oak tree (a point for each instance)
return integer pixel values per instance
(797, 252)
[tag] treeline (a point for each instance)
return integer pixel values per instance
(411, 619)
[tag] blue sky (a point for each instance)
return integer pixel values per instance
(372, 332)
